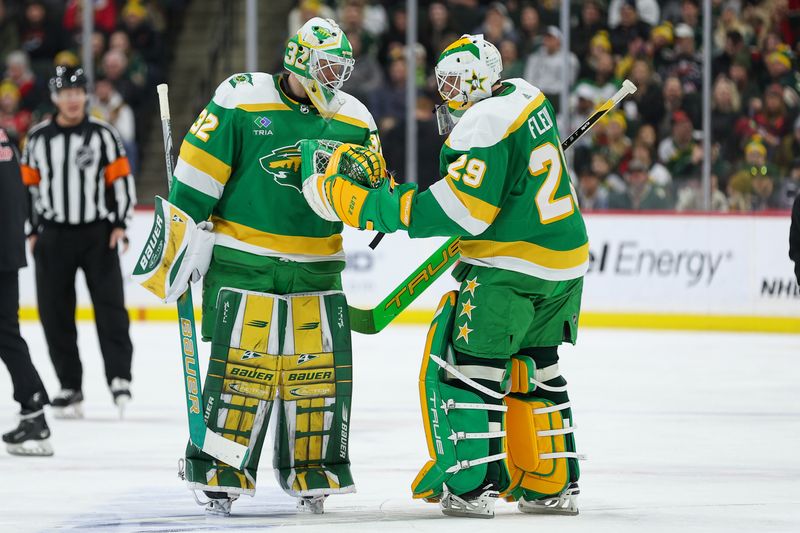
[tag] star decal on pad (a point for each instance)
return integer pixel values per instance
(466, 309)
(463, 333)
(472, 284)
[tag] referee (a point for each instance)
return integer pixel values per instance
(82, 196)
(31, 437)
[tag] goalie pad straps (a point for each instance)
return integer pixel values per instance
(177, 250)
(456, 420)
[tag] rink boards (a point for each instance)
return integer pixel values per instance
(706, 272)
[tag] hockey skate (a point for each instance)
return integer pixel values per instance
(219, 503)
(564, 503)
(311, 504)
(121, 390)
(32, 436)
(476, 504)
(68, 404)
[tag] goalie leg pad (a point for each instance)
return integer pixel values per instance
(311, 450)
(456, 421)
(537, 447)
(177, 251)
(241, 384)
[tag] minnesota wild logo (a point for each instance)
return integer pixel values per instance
(284, 165)
(321, 33)
(241, 78)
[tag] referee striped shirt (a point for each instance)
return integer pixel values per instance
(78, 174)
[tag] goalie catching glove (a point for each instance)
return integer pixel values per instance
(177, 250)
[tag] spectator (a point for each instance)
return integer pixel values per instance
(660, 47)
(604, 171)
(142, 35)
(394, 41)
(790, 186)
(740, 191)
(612, 139)
(9, 36)
(105, 15)
(658, 173)
(39, 36)
(637, 49)
(434, 28)
(645, 105)
(496, 25)
(732, 48)
(367, 78)
(648, 10)
(646, 136)
(513, 67)
(590, 23)
(546, 70)
(725, 113)
(790, 148)
(690, 16)
(465, 15)
(672, 102)
(687, 64)
(679, 152)
(739, 73)
(640, 194)
(137, 68)
(779, 67)
(19, 73)
(115, 69)
(13, 120)
(388, 103)
(592, 194)
(429, 142)
(602, 83)
(690, 198)
(530, 34)
(765, 193)
(305, 11)
(629, 27)
(599, 46)
(729, 23)
(107, 104)
(771, 122)
(352, 22)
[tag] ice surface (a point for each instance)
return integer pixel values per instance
(684, 432)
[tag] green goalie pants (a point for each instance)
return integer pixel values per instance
(487, 346)
(289, 354)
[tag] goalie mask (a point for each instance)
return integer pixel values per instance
(465, 74)
(322, 59)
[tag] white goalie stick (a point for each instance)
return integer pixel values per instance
(215, 445)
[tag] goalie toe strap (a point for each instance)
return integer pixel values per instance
(452, 404)
(472, 383)
(462, 465)
(456, 436)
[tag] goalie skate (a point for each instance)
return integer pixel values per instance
(31, 437)
(68, 404)
(311, 504)
(481, 506)
(564, 503)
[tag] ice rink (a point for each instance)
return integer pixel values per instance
(683, 431)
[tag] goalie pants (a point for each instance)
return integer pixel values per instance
(13, 349)
(60, 251)
(290, 354)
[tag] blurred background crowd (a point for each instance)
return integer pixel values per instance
(646, 155)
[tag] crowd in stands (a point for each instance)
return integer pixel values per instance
(127, 48)
(646, 155)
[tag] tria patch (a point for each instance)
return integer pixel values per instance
(241, 78)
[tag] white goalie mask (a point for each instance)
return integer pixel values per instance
(465, 74)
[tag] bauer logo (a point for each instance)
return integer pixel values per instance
(692, 267)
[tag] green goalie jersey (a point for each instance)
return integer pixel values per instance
(506, 189)
(239, 166)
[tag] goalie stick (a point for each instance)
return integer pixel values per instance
(215, 445)
(371, 321)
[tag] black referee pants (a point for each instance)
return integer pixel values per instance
(60, 250)
(13, 349)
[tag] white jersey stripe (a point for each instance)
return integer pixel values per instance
(198, 180)
(455, 210)
(531, 269)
